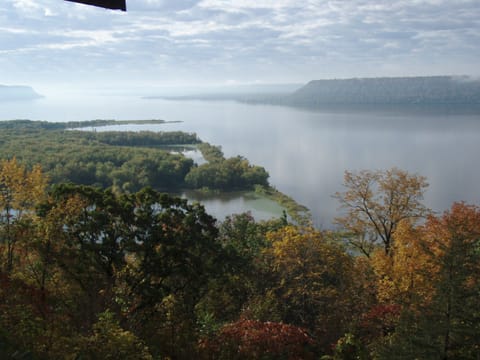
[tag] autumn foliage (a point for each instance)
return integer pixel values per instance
(87, 273)
(252, 339)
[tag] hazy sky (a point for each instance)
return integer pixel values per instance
(164, 42)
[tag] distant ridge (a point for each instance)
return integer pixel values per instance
(426, 90)
(17, 92)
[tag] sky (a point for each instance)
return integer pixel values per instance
(229, 42)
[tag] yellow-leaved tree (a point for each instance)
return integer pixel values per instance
(20, 191)
(405, 278)
(375, 203)
(312, 280)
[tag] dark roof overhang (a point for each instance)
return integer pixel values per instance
(108, 4)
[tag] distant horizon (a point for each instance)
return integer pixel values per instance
(199, 89)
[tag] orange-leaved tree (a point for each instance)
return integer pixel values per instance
(252, 339)
(444, 321)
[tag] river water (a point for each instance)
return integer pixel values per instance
(306, 152)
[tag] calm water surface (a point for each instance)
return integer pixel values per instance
(305, 152)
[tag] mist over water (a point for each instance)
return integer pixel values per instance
(305, 152)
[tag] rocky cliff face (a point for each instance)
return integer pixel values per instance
(402, 90)
(17, 93)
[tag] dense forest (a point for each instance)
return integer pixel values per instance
(125, 161)
(90, 273)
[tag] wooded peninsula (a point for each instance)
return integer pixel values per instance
(125, 161)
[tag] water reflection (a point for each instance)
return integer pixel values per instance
(220, 205)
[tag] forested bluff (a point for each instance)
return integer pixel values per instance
(442, 92)
(125, 272)
(422, 90)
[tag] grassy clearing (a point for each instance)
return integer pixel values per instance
(297, 212)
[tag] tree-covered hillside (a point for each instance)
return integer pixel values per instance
(402, 90)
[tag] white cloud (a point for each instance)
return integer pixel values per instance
(26, 5)
(14, 30)
(273, 39)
